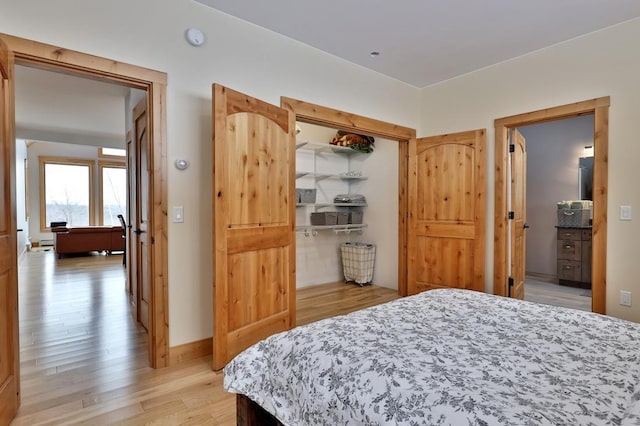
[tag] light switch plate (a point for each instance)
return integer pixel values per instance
(625, 298)
(178, 214)
(625, 212)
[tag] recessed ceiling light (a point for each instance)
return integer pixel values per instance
(374, 54)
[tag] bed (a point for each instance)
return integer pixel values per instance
(446, 357)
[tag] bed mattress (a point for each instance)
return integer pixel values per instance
(448, 357)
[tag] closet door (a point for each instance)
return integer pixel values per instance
(142, 215)
(518, 223)
(253, 222)
(447, 212)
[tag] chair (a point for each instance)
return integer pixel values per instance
(124, 237)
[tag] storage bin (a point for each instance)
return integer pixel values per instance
(324, 218)
(358, 260)
(305, 195)
(355, 217)
(343, 218)
(574, 217)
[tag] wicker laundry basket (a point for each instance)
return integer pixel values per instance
(358, 260)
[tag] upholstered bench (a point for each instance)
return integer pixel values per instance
(84, 239)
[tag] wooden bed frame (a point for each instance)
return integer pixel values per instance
(248, 413)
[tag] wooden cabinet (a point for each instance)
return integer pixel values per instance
(574, 256)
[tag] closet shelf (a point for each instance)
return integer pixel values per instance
(312, 230)
(320, 205)
(321, 176)
(325, 147)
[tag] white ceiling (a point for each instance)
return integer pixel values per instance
(422, 42)
(56, 107)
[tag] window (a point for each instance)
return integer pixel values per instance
(113, 192)
(120, 154)
(66, 194)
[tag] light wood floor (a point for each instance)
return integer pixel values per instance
(84, 361)
(539, 291)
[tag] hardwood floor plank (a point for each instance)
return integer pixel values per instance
(118, 416)
(338, 298)
(47, 417)
(145, 417)
(84, 360)
(548, 293)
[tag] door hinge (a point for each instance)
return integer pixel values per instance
(512, 215)
(512, 148)
(510, 284)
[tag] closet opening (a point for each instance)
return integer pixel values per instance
(385, 169)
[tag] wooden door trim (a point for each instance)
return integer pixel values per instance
(10, 389)
(600, 108)
(49, 57)
(329, 117)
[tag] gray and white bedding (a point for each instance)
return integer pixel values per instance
(448, 357)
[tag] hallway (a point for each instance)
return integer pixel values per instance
(84, 360)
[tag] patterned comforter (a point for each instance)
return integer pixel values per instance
(448, 357)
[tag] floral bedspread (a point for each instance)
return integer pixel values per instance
(448, 357)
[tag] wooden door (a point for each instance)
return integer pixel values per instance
(131, 251)
(518, 214)
(254, 222)
(9, 347)
(446, 235)
(143, 290)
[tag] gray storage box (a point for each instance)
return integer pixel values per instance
(317, 219)
(305, 195)
(343, 218)
(355, 217)
(574, 217)
(324, 218)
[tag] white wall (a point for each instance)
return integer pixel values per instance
(22, 221)
(318, 257)
(150, 33)
(604, 63)
(553, 150)
(381, 213)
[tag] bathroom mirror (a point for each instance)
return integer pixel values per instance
(585, 178)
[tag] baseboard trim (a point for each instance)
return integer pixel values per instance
(189, 351)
